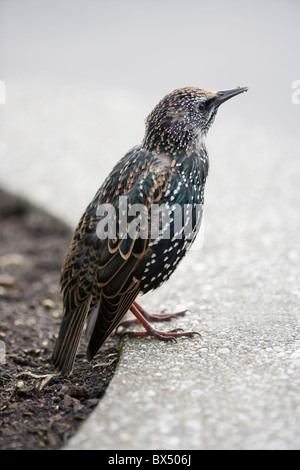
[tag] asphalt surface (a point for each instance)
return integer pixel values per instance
(238, 385)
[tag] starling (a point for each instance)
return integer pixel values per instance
(115, 253)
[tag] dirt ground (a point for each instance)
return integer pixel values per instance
(39, 410)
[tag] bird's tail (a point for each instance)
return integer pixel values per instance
(69, 337)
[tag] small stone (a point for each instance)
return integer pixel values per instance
(12, 259)
(3, 291)
(19, 384)
(48, 304)
(7, 280)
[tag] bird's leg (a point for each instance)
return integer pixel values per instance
(162, 335)
(158, 316)
(151, 316)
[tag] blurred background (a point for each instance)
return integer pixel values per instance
(82, 75)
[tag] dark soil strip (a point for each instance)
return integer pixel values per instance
(38, 411)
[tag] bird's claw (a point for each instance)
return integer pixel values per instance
(162, 335)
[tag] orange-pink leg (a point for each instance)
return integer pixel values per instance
(142, 316)
(151, 316)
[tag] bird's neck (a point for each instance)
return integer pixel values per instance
(193, 165)
(163, 143)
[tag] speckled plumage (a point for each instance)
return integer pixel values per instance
(101, 278)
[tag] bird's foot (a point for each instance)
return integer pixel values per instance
(161, 335)
(142, 317)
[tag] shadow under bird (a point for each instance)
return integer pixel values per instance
(102, 275)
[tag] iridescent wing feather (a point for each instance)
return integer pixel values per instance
(97, 273)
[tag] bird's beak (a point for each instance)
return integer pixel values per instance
(225, 95)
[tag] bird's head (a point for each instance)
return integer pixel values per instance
(182, 118)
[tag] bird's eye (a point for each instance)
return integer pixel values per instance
(201, 106)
